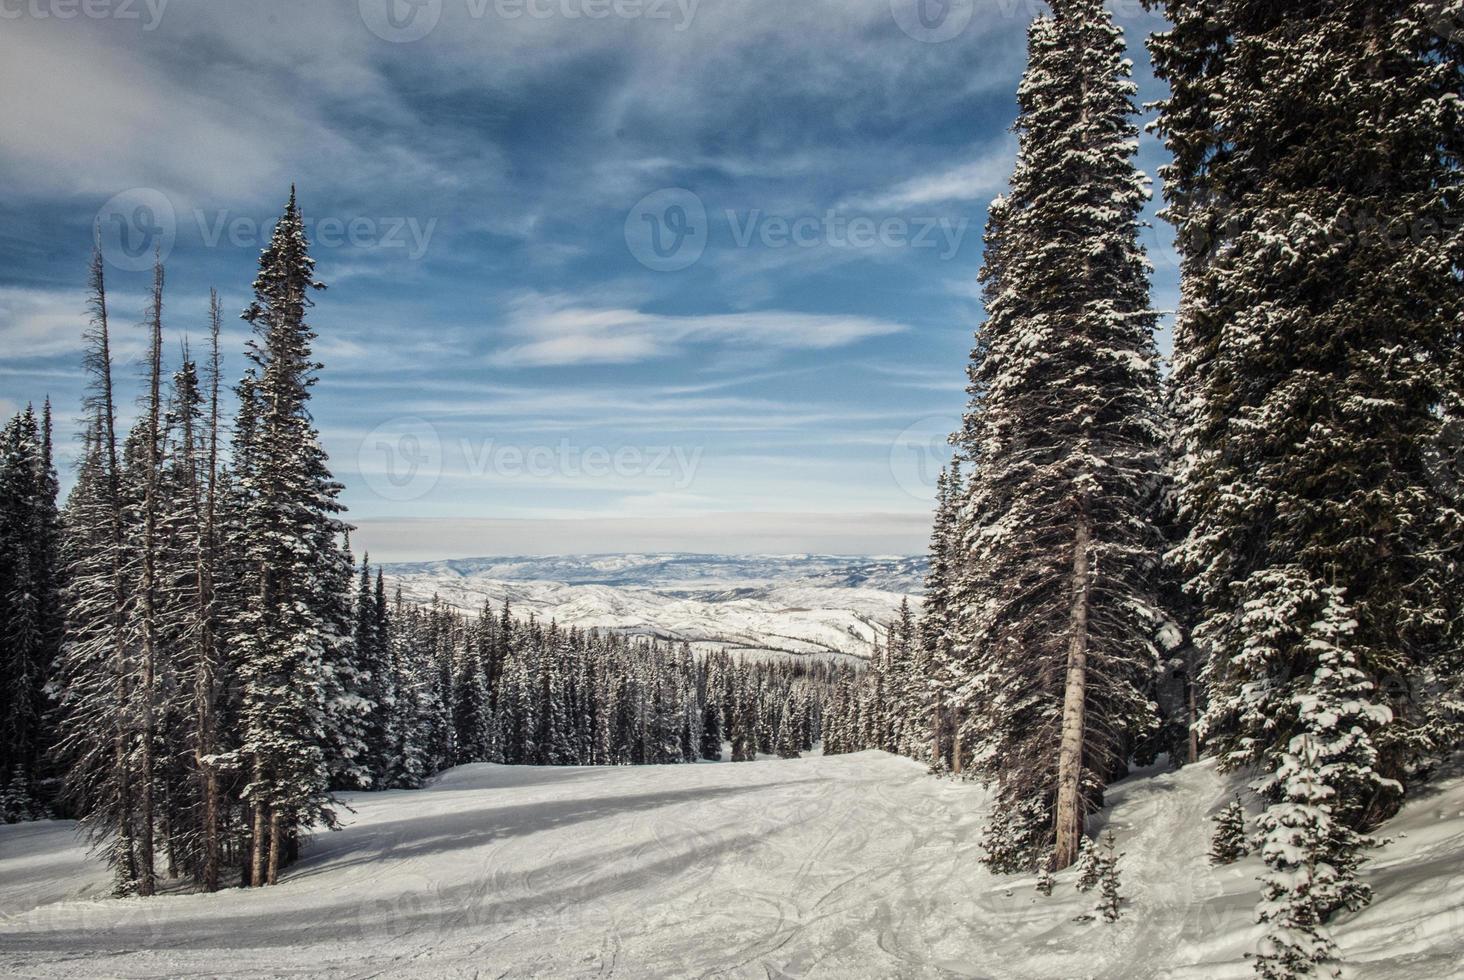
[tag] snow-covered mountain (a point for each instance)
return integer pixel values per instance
(808, 605)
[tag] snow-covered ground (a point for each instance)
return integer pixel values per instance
(851, 866)
(791, 604)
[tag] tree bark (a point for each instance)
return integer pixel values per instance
(261, 832)
(276, 831)
(1069, 812)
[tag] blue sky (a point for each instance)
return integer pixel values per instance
(604, 275)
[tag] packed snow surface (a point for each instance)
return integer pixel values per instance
(808, 605)
(849, 866)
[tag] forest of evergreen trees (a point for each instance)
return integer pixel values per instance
(1256, 558)
(193, 664)
(1252, 557)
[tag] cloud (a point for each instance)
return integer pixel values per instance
(555, 331)
(972, 181)
(39, 323)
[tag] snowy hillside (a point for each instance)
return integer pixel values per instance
(848, 866)
(795, 604)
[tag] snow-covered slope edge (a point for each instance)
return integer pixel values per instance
(849, 866)
(809, 605)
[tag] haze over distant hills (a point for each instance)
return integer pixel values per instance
(803, 605)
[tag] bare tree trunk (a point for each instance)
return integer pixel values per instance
(1069, 816)
(1194, 720)
(256, 863)
(206, 682)
(935, 735)
(276, 831)
(956, 742)
(147, 588)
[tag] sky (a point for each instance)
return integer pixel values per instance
(604, 275)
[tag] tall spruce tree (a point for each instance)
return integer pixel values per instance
(1058, 601)
(1316, 190)
(286, 638)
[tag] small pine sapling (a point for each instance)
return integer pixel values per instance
(1044, 876)
(1110, 901)
(1087, 865)
(1229, 843)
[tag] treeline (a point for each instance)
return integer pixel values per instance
(491, 688)
(1257, 557)
(193, 664)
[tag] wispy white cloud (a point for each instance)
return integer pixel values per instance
(556, 330)
(974, 180)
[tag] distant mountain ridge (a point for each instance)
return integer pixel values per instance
(800, 605)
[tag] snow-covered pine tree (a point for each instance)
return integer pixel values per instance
(1315, 188)
(788, 740)
(1087, 865)
(348, 689)
(1059, 601)
(1110, 899)
(30, 608)
(143, 476)
(934, 668)
(284, 637)
(96, 662)
(373, 662)
(1320, 787)
(1230, 842)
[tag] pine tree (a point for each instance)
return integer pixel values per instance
(96, 668)
(286, 636)
(1087, 865)
(1321, 783)
(30, 607)
(1059, 601)
(1317, 361)
(1110, 901)
(1044, 877)
(1229, 843)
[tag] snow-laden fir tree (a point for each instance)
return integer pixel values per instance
(287, 636)
(1229, 843)
(1320, 788)
(1059, 597)
(1087, 865)
(935, 668)
(1315, 187)
(31, 611)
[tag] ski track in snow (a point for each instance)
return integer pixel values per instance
(849, 866)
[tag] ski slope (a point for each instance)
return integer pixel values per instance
(850, 866)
